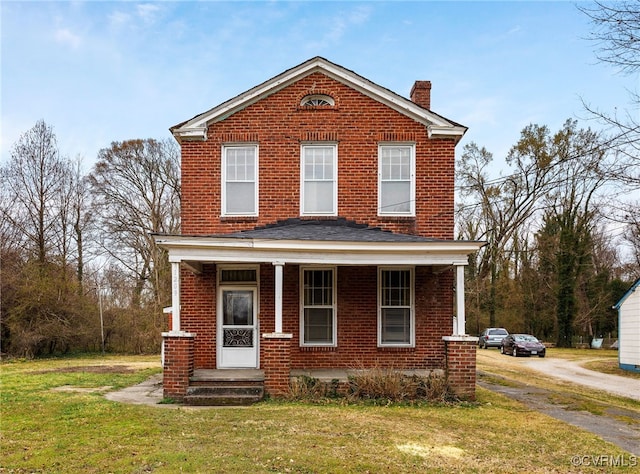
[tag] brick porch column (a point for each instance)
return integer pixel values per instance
(178, 363)
(461, 365)
(275, 361)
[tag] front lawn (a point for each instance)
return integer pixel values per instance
(45, 429)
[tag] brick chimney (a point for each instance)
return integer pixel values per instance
(421, 94)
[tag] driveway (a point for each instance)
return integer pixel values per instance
(571, 371)
(617, 425)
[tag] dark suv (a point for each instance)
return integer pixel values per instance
(492, 337)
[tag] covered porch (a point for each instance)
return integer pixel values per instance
(282, 248)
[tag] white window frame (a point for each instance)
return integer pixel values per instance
(412, 179)
(333, 307)
(223, 194)
(334, 204)
(308, 99)
(412, 322)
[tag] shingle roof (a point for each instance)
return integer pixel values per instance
(339, 229)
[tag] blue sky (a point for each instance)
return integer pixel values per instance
(108, 71)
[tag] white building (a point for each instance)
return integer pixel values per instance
(629, 329)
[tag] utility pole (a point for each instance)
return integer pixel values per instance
(101, 318)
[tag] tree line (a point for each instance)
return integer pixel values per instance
(78, 268)
(552, 265)
(80, 272)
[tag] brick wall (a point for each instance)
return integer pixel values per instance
(276, 363)
(278, 124)
(358, 124)
(178, 364)
(461, 365)
(356, 318)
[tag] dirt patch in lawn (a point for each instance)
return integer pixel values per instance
(95, 369)
(74, 389)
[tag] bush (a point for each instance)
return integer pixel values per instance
(392, 386)
(380, 385)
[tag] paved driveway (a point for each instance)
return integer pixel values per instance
(571, 371)
(617, 425)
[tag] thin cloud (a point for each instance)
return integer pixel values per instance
(341, 23)
(67, 37)
(148, 12)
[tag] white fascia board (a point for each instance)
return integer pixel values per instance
(316, 252)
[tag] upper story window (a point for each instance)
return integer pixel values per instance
(317, 99)
(319, 180)
(240, 180)
(396, 180)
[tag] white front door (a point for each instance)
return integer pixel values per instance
(237, 327)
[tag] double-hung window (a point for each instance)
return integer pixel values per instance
(395, 307)
(396, 179)
(318, 318)
(240, 180)
(319, 180)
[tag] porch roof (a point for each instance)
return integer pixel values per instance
(328, 242)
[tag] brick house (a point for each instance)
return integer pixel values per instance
(317, 233)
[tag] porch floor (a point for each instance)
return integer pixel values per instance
(324, 375)
(342, 375)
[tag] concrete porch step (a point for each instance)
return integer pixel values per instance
(224, 395)
(225, 387)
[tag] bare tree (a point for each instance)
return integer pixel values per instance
(616, 33)
(44, 311)
(616, 36)
(33, 182)
(137, 190)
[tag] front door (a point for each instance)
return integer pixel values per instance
(237, 328)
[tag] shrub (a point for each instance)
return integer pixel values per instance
(380, 385)
(391, 386)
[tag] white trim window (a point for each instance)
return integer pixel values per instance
(239, 180)
(396, 179)
(319, 179)
(318, 307)
(396, 307)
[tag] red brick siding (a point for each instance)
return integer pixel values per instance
(356, 318)
(198, 314)
(275, 356)
(178, 366)
(461, 368)
(278, 125)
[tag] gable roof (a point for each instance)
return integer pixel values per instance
(438, 126)
(627, 294)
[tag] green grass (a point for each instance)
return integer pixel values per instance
(46, 430)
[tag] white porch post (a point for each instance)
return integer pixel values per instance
(175, 296)
(278, 296)
(460, 316)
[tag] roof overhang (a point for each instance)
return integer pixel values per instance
(437, 126)
(200, 250)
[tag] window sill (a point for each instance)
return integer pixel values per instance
(238, 218)
(396, 349)
(318, 348)
(395, 218)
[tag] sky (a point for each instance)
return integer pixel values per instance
(99, 72)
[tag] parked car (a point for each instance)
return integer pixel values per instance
(492, 337)
(522, 345)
